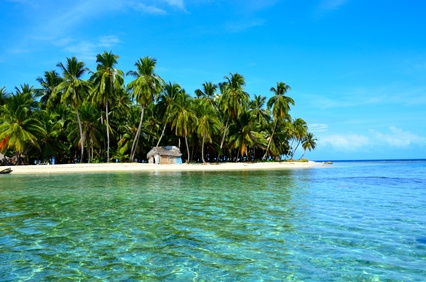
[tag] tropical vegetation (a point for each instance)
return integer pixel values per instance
(79, 115)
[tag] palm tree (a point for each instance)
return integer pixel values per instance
(74, 89)
(208, 123)
(165, 105)
(208, 93)
(50, 80)
(299, 131)
(3, 95)
(243, 135)
(234, 98)
(308, 143)
(50, 142)
(183, 118)
(91, 128)
(107, 81)
(55, 142)
(259, 113)
(280, 105)
(18, 128)
(31, 93)
(233, 101)
(127, 129)
(280, 144)
(145, 88)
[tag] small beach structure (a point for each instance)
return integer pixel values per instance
(164, 155)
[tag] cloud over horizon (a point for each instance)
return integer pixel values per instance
(395, 138)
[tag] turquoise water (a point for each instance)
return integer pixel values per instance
(357, 221)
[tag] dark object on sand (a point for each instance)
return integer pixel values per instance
(6, 171)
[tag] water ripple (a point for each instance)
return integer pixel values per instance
(340, 224)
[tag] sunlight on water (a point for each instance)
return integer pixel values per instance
(347, 222)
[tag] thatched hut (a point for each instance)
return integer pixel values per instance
(164, 155)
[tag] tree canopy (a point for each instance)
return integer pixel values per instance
(79, 115)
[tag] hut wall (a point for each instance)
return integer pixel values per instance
(164, 160)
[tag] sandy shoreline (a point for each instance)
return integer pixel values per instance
(119, 167)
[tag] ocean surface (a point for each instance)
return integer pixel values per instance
(349, 221)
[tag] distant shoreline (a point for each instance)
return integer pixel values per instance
(144, 167)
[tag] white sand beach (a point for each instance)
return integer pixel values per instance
(117, 167)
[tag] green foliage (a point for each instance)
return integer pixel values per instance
(71, 118)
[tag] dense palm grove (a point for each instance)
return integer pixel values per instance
(78, 115)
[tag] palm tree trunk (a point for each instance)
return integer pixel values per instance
(81, 135)
(192, 151)
(107, 125)
(304, 151)
(297, 146)
(187, 148)
(270, 140)
(202, 149)
(162, 134)
(223, 139)
(134, 145)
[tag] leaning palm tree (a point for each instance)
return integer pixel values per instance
(74, 89)
(107, 81)
(308, 143)
(299, 132)
(144, 88)
(280, 105)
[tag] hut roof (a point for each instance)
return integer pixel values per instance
(164, 151)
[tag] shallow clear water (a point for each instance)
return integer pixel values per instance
(348, 221)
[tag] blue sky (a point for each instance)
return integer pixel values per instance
(357, 68)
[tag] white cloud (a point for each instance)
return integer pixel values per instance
(398, 138)
(391, 94)
(156, 7)
(87, 50)
(108, 41)
(176, 3)
(52, 21)
(318, 127)
(148, 9)
(348, 142)
(373, 141)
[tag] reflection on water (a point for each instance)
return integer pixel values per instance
(276, 225)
